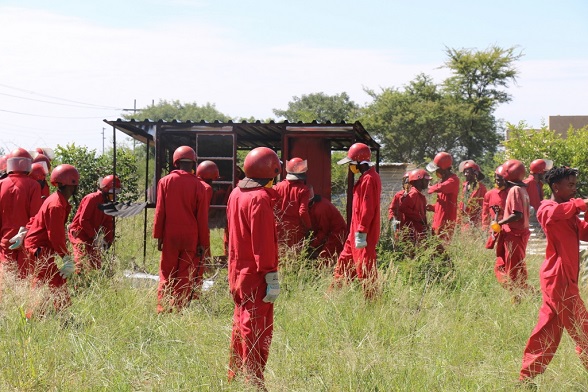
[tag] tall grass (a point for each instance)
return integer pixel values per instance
(461, 333)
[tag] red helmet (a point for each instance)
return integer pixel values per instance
(539, 166)
(262, 163)
(296, 166)
(42, 158)
(184, 153)
(45, 151)
(357, 153)
(110, 184)
(65, 175)
(207, 170)
(418, 174)
(19, 160)
(39, 171)
(469, 164)
(514, 170)
(442, 160)
(499, 171)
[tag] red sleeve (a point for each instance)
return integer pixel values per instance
(515, 202)
(202, 218)
(303, 208)
(263, 235)
(87, 210)
(56, 218)
(159, 217)
(368, 203)
(409, 208)
(562, 211)
(446, 186)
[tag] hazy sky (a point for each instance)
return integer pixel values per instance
(67, 65)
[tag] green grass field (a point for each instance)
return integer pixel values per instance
(462, 333)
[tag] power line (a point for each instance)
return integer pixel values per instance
(58, 98)
(40, 115)
(61, 104)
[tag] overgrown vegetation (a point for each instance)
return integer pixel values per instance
(444, 335)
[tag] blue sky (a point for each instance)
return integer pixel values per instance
(87, 60)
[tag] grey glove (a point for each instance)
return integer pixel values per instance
(18, 239)
(360, 240)
(273, 287)
(68, 267)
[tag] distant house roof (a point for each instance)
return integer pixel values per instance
(254, 134)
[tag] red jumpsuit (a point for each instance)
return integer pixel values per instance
(293, 217)
(361, 263)
(329, 228)
(446, 206)
(470, 206)
(20, 200)
(88, 222)
(393, 211)
(562, 306)
(414, 215)
(510, 268)
(535, 191)
(495, 197)
(253, 252)
(181, 222)
(45, 240)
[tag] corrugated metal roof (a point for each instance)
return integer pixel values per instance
(250, 135)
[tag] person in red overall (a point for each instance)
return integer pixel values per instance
(43, 159)
(493, 211)
(413, 208)
(470, 207)
(39, 173)
(180, 226)
(92, 231)
(293, 217)
(20, 200)
(358, 258)
(394, 216)
(45, 237)
(536, 180)
(207, 172)
(329, 229)
(562, 305)
(447, 189)
(253, 265)
(510, 268)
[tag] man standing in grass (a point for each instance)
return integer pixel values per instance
(253, 265)
(413, 207)
(358, 258)
(180, 225)
(562, 305)
(447, 190)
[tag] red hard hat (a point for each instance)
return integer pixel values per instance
(296, 166)
(262, 163)
(42, 158)
(207, 170)
(514, 170)
(539, 166)
(20, 153)
(184, 153)
(442, 160)
(65, 175)
(19, 160)
(469, 164)
(357, 153)
(110, 183)
(39, 171)
(418, 174)
(499, 171)
(45, 151)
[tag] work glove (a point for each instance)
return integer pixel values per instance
(18, 239)
(273, 287)
(360, 240)
(68, 267)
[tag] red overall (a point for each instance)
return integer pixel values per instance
(446, 206)
(495, 197)
(510, 268)
(181, 222)
(20, 200)
(361, 263)
(293, 218)
(393, 211)
(88, 222)
(535, 191)
(562, 306)
(329, 228)
(253, 252)
(45, 240)
(470, 207)
(414, 213)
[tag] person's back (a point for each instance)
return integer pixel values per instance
(293, 218)
(328, 226)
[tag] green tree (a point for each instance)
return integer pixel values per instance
(175, 110)
(320, 107)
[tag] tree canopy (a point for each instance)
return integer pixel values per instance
(320, 107)
(175, 110)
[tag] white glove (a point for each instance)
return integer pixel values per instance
(273, 287)
(18, 239)
(394, 223)
(68, 267)
(360, 240)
